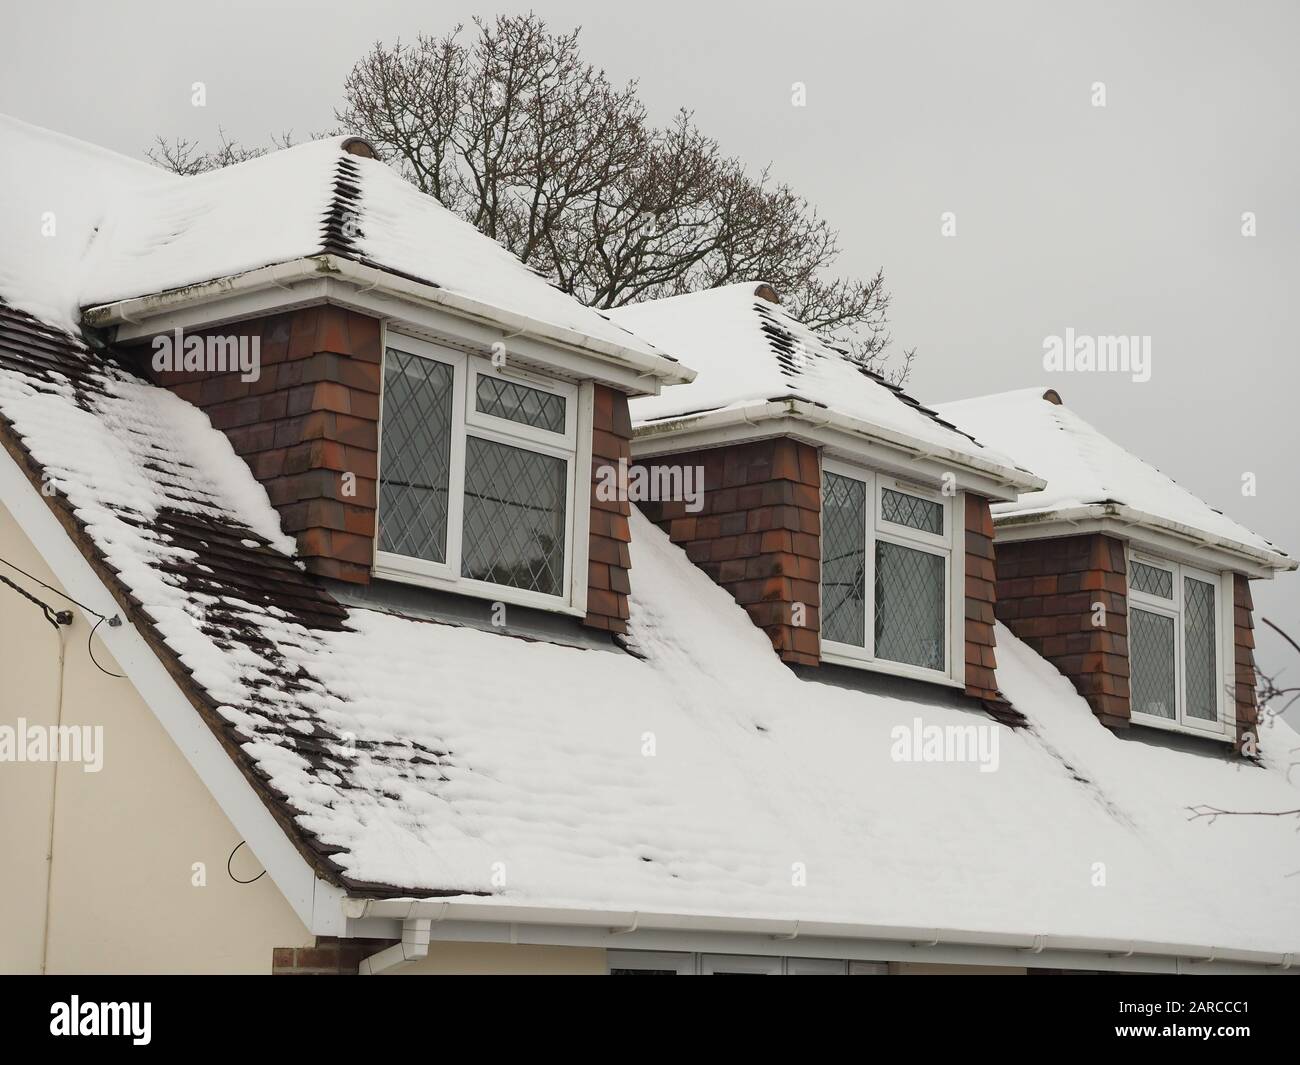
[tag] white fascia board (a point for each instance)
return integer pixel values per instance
(276, 287)
(442, 326)
(435, 324)
(1179, 542)
(838, 435)
(453, 920)
(317, 903)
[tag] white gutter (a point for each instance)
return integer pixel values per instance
(140, 309)
(619, 921)
(413, 947)
(1135, 518)
(821, 417)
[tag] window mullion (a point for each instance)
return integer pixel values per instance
(1180, 648)
(869, 567)
(456, 489)
(1180, 663)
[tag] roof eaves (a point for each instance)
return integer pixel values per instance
(619, 921)
(368, 277)
(1123, 514)
(818, 415)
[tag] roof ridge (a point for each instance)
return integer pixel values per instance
(341, 225)
(772, 315)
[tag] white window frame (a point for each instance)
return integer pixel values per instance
(705, 964)
(653, 961)
(745, 964)
(571, 446)
(1225, 724)
(950, 545)
(816, 967)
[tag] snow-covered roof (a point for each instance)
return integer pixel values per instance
(126, 229)
(415, 757)
(1084, 469)
(747, 351)
(55, 193)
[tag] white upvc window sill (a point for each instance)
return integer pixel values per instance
(1214, 731)
(429, 575)
(837, 654)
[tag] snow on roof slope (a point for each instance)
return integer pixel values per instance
(1082, 466)
(55, 193)
(419, 755)
(405, 230)
(130, 460)
(273, 209)
(756, 769)
(128, 229)
(224, 222)
(747, 350)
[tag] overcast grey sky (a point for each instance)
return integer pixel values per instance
(1117, 220)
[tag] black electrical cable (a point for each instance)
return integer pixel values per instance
(54, 617)
(90, 650)
(51, 588)
(232, 875)
(64, 617)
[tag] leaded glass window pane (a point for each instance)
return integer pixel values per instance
(1159, 582)
(1151, 651)
(514, 517)
(1200, 671)
(415, 456)
(844, 560)
(912, 511)
(909, 606)
(519, 403)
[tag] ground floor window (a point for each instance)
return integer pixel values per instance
(657, 963)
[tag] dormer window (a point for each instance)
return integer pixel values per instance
(887, 556)
(476, 476)
(1175, 662)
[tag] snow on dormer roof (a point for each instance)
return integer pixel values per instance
(1087, 470)
(129, 230)
(747, 351)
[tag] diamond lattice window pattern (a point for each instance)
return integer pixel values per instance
(1151, 647)
(844, 560)
(415, 456)
(1200, 669)
(909, 606)
(514, 517)
(912, 511)
(1153, 581)
(519, 403)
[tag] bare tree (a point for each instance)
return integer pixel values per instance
(1272, 700)
(514, 131)
(182, 156)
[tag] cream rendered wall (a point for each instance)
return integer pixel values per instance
(29, 677)
(125, 838)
